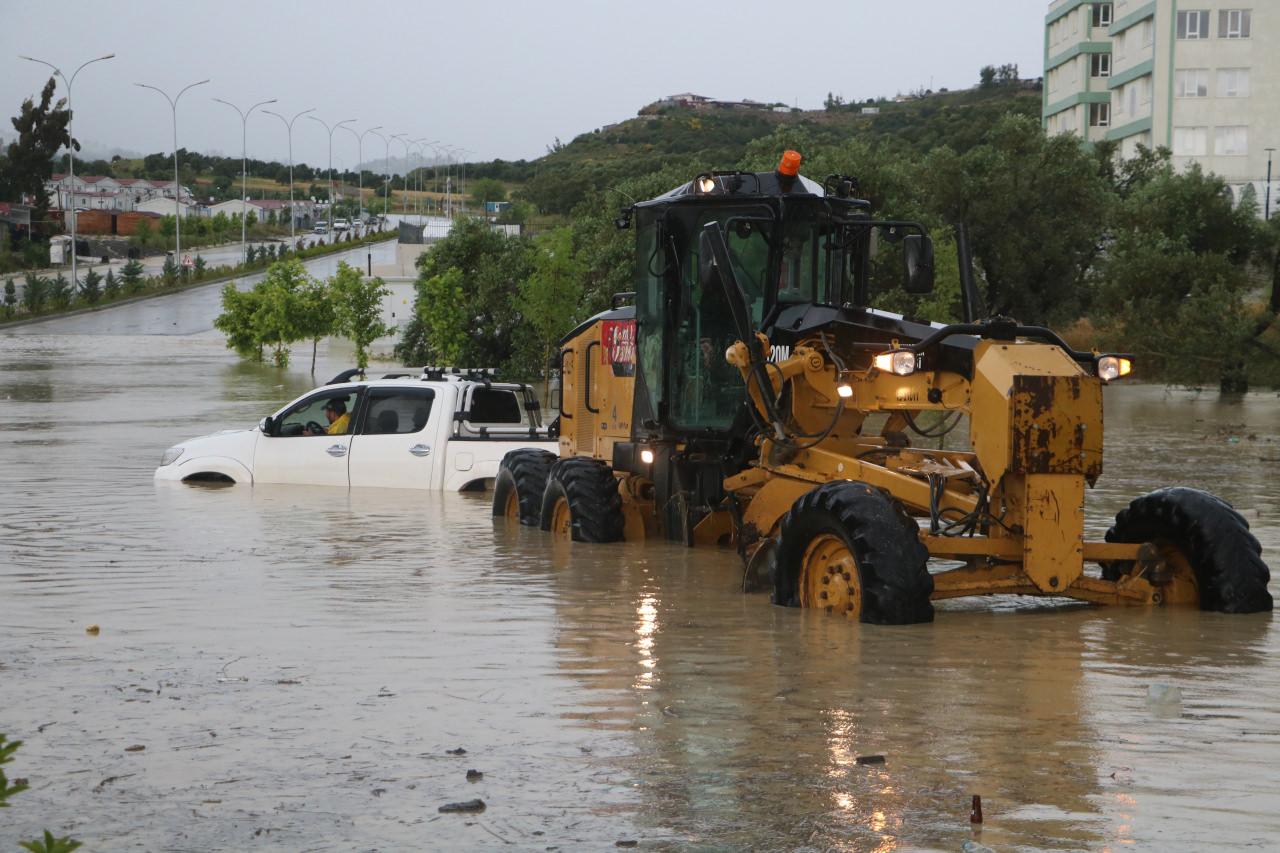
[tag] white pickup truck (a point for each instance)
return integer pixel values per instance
(443, 429)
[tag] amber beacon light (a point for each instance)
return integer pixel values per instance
(789, 165)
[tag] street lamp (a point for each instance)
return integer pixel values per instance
(435, 170)
(360, 166)
(71, 143)
(1266, 215)
(288, 123)
(402, 138)
(244, 172)
(331, 130)
(177, 208)
(422, 161)
(386, 161)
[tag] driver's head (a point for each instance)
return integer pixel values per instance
(335, 409)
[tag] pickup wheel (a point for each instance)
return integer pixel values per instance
(581, 502)
(522, 478)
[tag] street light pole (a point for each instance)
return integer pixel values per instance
(386, 161)
(403, 140)
(1266, 216)
(71, 147)
(360, 166)
(244, 173)
(435, 171)
(288, 123)
(331, 130)
(177, 208)
(422, 163)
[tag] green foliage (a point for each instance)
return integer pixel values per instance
(239, 307)
(36, 293)
(50, 844)
(251, 255)
(60, 292)
(315, 314)
(551, 297)
(441, 311)
(91, 287)
(10, 298)
(110, 285)
(131, 273)
(357, 309)
(142, 234)
(277, 318)
(7, 788)
(487, 189)
(42, 130)
(200, 266)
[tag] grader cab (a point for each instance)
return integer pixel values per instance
(750, 397)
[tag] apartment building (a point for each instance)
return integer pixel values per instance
(1201, 77)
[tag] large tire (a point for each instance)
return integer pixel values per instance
(872, 532)
(589, 491)
(522, 478)
(1213, 538)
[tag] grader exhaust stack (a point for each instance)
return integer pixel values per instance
(752, 398)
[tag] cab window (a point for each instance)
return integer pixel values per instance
(325, 413)
(495, 406)
(398, 411)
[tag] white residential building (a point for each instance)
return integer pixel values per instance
(1201, 77)
(101, 192)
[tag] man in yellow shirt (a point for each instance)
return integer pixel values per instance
(335, 411)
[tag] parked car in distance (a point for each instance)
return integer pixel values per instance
(341, 224)
(440, 429)
(320, 228)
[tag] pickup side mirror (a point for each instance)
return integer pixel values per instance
(917, 262)
(267, 424)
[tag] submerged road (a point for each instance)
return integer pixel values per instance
(290, 668)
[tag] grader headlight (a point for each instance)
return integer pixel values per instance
(1113, 367)
(900, 362)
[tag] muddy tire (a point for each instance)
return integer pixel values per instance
(1214, 539)
(522, 478)
(589, 490)
(867, 530)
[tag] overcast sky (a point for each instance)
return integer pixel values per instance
(501, 78)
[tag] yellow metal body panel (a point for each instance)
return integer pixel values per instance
(598, 389)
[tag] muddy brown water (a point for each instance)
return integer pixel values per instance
(297, 662)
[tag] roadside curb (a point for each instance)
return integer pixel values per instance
(168, 291)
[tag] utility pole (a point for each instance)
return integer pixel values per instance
(360, 168)
(177, 188)
(288, 123)
(331, 130)
(1266, 215)
(386, 161)
(71, 148)
(244, 172)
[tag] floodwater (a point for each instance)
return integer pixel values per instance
(297, 662)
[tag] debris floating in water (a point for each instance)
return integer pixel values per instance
(92, 630)
(869, 759)
(466, 806)
(975, 809)
(474, 775)
(458, 751)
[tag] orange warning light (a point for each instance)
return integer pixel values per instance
(789, 165)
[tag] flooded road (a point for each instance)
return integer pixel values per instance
(298, 662)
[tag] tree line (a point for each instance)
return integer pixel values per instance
(1127, 255)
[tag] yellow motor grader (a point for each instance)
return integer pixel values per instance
(750, 397)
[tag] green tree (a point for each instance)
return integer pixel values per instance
(35, 294)
(142, 234)
(42, 130)
(200, 265)
(987, 77)
(91, 287)
(357, 309)
(440, 309)
(131, 273)
(111, 285)
(10, 298)
(278, 316)
(170, 270)
(239, 307)
(60, 292)
(315, 315)
(487, 189)
(250, 255)
(550, 299)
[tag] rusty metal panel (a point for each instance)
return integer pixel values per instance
(1057, 425)
(1053, 531)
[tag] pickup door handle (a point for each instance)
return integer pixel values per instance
(420, 450)
(336, 450)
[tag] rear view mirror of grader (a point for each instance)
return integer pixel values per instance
(751, 397)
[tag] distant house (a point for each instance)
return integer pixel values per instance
(164, 207)
(263, 209)
(104, 193)
(685, 99)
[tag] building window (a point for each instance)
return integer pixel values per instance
(1193, 25)
(1233, 82)
(1191, 83)
(1148, 32)
(1231, 141)
(1100, 65)
(1190, 141)
(1233, 24)
(1102, 14)
(1099, 115)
